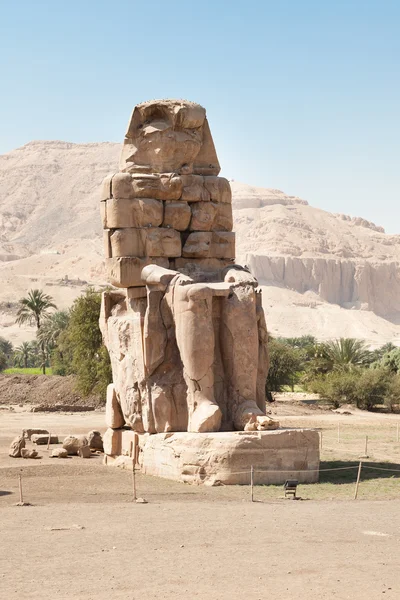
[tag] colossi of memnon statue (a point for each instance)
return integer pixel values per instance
(185, 328)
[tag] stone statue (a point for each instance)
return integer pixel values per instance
(186, 333)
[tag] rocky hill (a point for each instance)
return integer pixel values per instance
(321, 273)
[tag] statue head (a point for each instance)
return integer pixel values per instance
(169, 136)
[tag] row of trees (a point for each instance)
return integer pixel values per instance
(341, 371)
(68, 341)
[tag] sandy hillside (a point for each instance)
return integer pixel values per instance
(321, 273)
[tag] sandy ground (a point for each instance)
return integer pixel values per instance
(84, 538)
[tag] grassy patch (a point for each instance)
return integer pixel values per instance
(29, 371)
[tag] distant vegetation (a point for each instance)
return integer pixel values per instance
(340, 371)
(70, 343)
(67, 342)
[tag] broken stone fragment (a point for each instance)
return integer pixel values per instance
(27, 433)
(95, 440)
(26, 453)
(42, 439)
(72, 443)
(59, 453)
(16, 446)
(84, 452)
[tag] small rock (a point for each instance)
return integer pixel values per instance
(16, 446)
(95, 440)
(59, 453)
(141, 501)
(26, 453)
(84, 452)
(72, 443)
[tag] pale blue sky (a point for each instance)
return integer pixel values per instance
(302, 96)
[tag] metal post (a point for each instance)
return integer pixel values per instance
(338, 433)
(21, 500)
(252, 482)
(358, 480)
(48, 442)
(320, 439)
(397, 437)
(366, 445)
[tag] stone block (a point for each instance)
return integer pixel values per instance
(103, 213)
(206, 269)
(227, 457)
(177, 215)
(161, 241)
(84, 452)
(126, 271)
(155, 186)
(149, 241)
(131, 212)
(105, 191)
(112, 442)
(211, 216)
(223, 244)
(194, 189)
(43, 439)
(197, 245)
(204, 244)
(203, 216)
(219, 189)
(27, 433)
(107, 243)
(224, 218)
(114, 417)
(126, 242)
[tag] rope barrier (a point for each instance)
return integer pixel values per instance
(381, 468)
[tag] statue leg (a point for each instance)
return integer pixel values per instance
(195, 339)
(240, 350)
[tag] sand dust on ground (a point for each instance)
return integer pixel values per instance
(85, 539)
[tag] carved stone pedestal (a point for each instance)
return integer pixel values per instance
(222, 457)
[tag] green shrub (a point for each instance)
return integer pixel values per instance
(285, 362)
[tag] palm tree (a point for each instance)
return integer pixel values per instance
(51, 328)
(33, 309)
(22, 354)
(346, 353)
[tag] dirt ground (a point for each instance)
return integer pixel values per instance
(43, 390)
(84, 538)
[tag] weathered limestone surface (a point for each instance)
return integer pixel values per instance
(16, 446)
(187, 336)
(226, 457)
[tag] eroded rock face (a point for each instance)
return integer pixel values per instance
(72, 443)
(187, 339)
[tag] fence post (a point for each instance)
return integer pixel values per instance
(397, 436)
(320, 439)
(338, 433)
(48, 442)
(358, 480)
(133, 473)
(366, 446)
(252, 482)
(21, 500)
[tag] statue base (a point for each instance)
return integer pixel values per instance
(218, 458)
